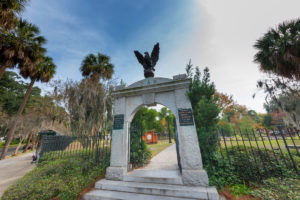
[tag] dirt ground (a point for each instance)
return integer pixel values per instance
(229, 196)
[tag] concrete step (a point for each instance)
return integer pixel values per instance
(172, 177)
(178, 191)
(114, 195)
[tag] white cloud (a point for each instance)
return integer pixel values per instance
(223, 41)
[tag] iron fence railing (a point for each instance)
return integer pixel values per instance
(94, 148)
(261, 150)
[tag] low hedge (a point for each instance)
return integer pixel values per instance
(63, 178)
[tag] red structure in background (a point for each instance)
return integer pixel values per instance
(150, 137)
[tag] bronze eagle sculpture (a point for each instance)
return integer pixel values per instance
(147, 61)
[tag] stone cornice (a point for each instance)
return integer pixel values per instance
(152, 88)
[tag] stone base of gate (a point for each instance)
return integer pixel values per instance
(194, 177)
(189, 177)
(115, 173)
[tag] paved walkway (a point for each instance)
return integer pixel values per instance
(12, 169)
(163, 165)
(165, 160)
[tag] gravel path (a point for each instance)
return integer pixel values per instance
(12, 169)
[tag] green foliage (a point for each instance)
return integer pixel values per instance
(43, 71)
(246, 123)
(220, 172)
(21, 47)
(245, 167)
(151, 119)
(61, 179)
(9, 13)
(12, 91)
(279, 50)
(96, 67)
(145, 120)
(13, 142)
(139, 151)
(240, 189)
(267, 121)
(140, 154)
(205, 107)
(226, 127)
(278, 189)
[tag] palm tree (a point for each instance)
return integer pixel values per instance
(43, 72)
(8, 12)
(21, 47)
(97, 66)
(279, 50)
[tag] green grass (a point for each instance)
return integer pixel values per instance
(268, 144)
(13, 144)
(63, 179)
(157, 148)
(2, 144)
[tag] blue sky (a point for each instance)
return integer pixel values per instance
(116, 28)
(214, 33)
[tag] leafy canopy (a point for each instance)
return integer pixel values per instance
(205, 107)
(279, 50)
(96, 67)
(9, 10)
(12, 91)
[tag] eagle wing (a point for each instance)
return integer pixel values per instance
(155, 54)
(140, 57)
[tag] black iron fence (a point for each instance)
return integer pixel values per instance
(255, 153)
(94, 148)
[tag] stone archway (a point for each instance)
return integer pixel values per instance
(151, 91)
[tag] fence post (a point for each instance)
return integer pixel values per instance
(97, 146)
(238, 145)
(251, 147)
(279, 148)
(244, 144)
(288, 130)
(287, 147)
(262, 139)
(297, 132)
(259, 152)
(226, 146)
(219, 143)
(272, 146)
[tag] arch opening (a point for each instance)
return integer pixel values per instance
(152, 129)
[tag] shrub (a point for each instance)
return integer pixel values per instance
(139, 156)
(244, 167)
(220, 172)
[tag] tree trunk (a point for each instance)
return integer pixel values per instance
(12, 129)
(36, 142)
(34, 138)
(2, 70)
(28, 141)
(18, 147)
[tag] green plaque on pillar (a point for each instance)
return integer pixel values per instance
(185, 117)
(118, 122)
